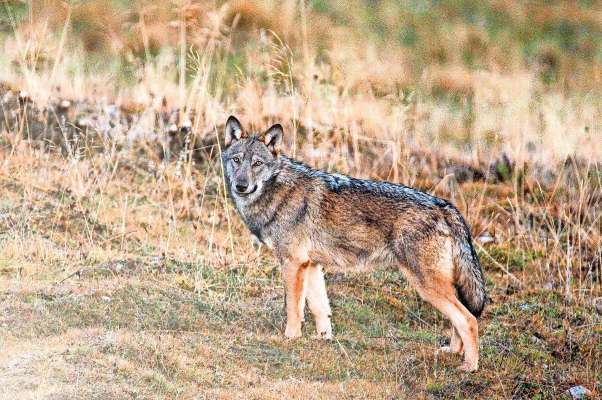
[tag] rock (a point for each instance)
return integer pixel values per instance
(549, 285)
(65, 105)
(486, 238)
(118, 267)
(578, 392)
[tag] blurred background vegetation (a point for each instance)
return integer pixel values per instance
(558, 41)
(502, 75)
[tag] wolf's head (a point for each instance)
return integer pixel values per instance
(250, 161)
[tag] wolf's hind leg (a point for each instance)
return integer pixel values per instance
(462, 320)
(295, 282)
(317, 299)
(455, 344)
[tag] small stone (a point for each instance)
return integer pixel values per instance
(486, 238)
(84, 122)
(578, 392)
(106, 298)
(549, 285)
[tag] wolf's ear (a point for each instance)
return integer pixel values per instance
(234, 131)
(273, 138)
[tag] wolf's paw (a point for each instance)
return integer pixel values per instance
(292, 331)
(449, 349)
(468, 367)
(323, 329)
(324, 335)
(445, 349)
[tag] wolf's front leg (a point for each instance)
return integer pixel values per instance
(318, 301)
(295, 282)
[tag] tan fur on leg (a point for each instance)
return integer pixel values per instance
(317, 299)
(443, 298)
(295, 279)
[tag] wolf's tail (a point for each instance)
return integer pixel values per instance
(469, 279)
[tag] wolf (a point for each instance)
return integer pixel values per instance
(309, 218)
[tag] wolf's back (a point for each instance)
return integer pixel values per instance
(469, 282)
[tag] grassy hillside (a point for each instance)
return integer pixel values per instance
(124, 271)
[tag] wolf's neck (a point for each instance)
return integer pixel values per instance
(256, 214)
(294, 167)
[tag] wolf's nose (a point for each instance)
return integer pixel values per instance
(241, 188)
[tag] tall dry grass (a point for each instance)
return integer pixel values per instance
(160, 79)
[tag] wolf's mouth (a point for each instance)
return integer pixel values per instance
(245, 194)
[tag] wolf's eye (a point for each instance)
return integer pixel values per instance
(236, 159)
(257, 163)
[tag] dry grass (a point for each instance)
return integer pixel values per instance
(125, 273)
(106, 292)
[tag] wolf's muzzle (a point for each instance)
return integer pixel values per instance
(243, 190)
